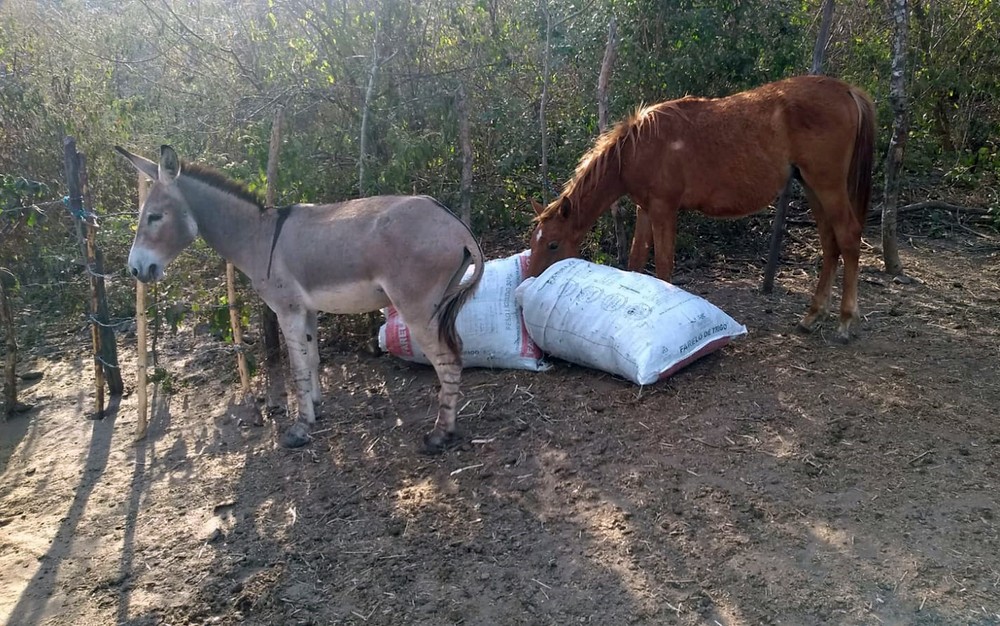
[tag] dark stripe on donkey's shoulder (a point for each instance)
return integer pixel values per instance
(283, 212)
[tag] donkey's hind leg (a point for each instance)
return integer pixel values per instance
(448, 367)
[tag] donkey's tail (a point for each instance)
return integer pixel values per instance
(456, 295)
(860, 181)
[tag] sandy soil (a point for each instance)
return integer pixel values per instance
(783, 480)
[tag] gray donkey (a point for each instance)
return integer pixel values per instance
(352, 257)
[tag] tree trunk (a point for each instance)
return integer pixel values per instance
(778, 226)
(465, 139)
(268, 320)
(897, 142)
(823, 39)
(543, 100)
(365, 112)
(617, 215)
(10, 368)
(142, 353)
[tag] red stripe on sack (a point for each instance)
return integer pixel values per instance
(710, 347)
(528, 346)
(397, 335)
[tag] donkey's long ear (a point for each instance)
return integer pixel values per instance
(170, 165)
(145, 166)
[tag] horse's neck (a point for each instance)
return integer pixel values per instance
(592, 202)
(230, 225)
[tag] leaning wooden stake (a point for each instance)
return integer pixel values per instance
(234, 322)
(140, 331)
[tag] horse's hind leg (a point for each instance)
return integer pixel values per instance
(840, 235)
(848, 233)
(818, 307)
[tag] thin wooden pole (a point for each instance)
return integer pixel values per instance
(778, 225)
(618, 216)
(140, 326)
(269, 321)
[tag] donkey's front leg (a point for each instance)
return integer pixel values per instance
(312, 348)
(294, 322)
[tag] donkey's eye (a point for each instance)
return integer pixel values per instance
(553, 245)
(154, 218)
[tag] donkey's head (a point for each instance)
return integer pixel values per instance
(166, 225)
(557, 235)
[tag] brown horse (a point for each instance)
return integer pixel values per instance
(729, 157)
(352, 257)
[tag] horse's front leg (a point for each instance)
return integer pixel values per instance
(294, 322)
(642, 241)
(663, 222)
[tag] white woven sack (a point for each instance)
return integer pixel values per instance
(490, 324)
(626, 323)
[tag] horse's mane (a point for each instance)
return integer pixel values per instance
(215, 178)
(610, 144)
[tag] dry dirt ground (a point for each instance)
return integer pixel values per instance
(783, 480)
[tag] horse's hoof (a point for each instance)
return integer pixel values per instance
(805, 328)
(843, 334)
(436, 443)
(296, 436)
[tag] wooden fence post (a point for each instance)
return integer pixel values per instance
(99, 298)
(71, 160)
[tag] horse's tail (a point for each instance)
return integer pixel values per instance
(860, 181)
(456, 295)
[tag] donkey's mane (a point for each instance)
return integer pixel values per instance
(215, 178)
(596, 161)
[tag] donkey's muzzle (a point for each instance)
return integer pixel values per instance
(150, 274)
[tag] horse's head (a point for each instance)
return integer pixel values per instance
(166, 225)
(557, 235)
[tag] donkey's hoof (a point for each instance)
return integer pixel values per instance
(436, 443)
(296, 436)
